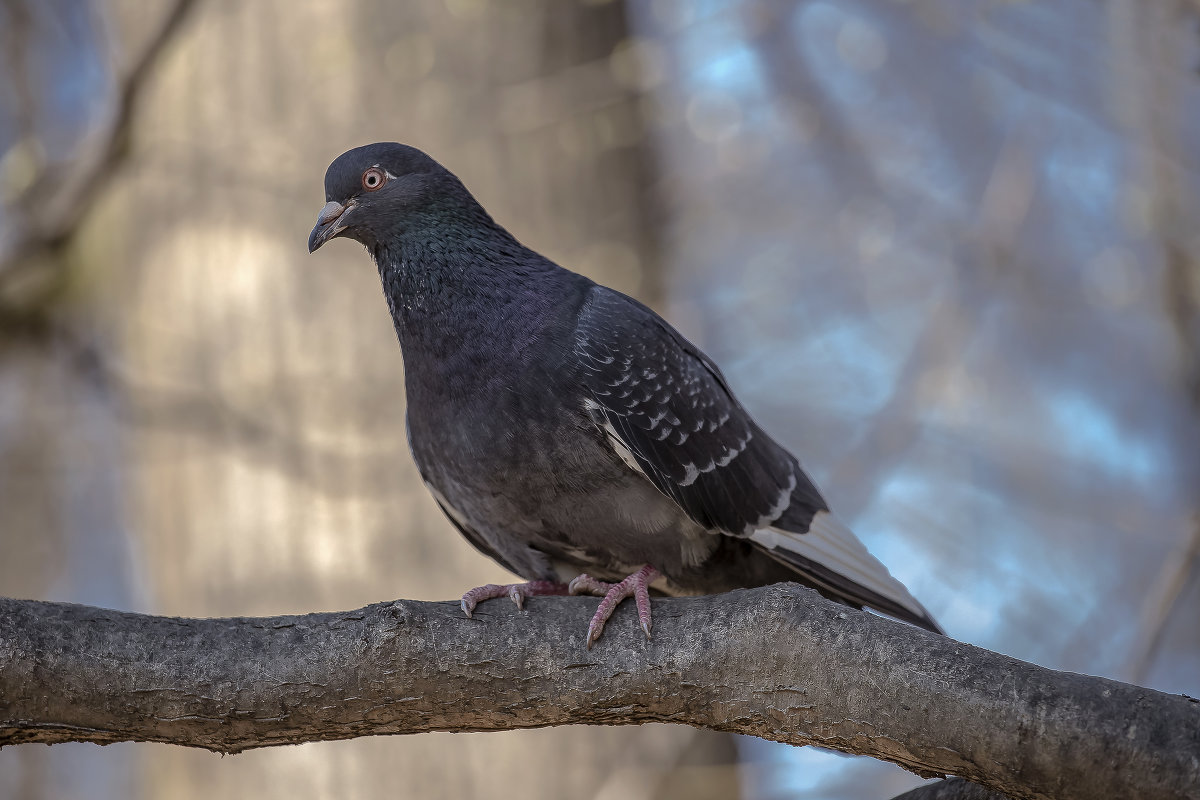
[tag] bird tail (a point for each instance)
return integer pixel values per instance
(831, 558)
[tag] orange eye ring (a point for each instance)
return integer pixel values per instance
(374, 179)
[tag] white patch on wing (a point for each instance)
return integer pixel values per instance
(692, 471)
(614, 439)
(830, 543)
(736, 451)
(781, 503)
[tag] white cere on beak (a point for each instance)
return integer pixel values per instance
(330, 212)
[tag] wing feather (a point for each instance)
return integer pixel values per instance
(668, 412)
(667, 407)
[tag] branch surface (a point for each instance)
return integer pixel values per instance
(778, 662)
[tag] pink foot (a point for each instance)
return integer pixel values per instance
(636, 585)
(517, 592)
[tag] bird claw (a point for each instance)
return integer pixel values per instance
(586, 584)
(636, 585)
(517, 592)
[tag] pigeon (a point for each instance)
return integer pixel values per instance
(570, 433)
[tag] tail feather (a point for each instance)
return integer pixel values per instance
(832, 558)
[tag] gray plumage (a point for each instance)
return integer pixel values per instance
(563, 426)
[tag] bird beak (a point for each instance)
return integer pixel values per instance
(330, 222)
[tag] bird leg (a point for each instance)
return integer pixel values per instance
(636, 585)
(517, 592)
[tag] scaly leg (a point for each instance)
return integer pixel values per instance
(636, 585)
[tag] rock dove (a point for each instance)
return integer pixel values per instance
(569, 432)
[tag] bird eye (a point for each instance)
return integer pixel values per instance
(373, 178)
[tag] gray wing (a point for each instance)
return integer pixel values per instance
(668, 411)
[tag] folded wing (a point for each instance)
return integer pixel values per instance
(668, 412)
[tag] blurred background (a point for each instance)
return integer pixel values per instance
(945, 250)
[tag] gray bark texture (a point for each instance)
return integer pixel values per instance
(778, 662)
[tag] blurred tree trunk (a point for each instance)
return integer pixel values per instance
(1148, 97)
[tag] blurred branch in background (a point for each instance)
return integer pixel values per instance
(16, 37)
(1145, 89)
(928, 370)
(1180, 568)
(46, 202)
(778, 662)
(259, 440)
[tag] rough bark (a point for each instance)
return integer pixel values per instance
(777, 662)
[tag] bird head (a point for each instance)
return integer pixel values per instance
(374, 192)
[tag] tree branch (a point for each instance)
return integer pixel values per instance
(63, 196)
(777, 662)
